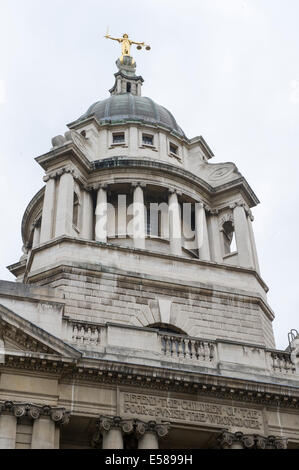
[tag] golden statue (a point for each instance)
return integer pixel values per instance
(126, 44)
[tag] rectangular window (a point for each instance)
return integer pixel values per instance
(173, 149)
(147, 139)
(118, 138)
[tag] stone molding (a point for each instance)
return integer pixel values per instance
(56, 414)
(250, 441)
(66, 170)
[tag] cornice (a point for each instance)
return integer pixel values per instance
(141, 377)
(147, 253)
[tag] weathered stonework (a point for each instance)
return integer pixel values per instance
(127, 332)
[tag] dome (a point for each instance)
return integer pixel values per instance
(129, 107)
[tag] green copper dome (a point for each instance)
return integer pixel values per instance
(128, 107)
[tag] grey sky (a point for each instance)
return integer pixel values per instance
(226, 69)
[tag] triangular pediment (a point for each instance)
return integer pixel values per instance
(18, 334)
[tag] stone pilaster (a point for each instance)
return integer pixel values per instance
(65, 201)
(175, 226)
(87, 215)
(201, 229)
(243, 240)
(48, 210)
(148, 434)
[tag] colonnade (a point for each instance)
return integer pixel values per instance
(58, 210)
(114, 429)
(45, 422)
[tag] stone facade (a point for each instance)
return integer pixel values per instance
(125, 330)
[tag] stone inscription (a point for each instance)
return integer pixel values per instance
(193, 412)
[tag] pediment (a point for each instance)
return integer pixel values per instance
(18, 334)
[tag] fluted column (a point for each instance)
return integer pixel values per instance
(101, 215)
(138, 217)
(242, 237)
(175, 226)
(65, 201)
(8, 430)
(149, 433)
(87, 216)
(202, 236)
(46, 232)
(112, 430)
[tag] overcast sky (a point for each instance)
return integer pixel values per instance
(226, 69)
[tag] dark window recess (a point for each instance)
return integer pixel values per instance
(173, 149)
(118, 138)
(128, 87)
(147, 139)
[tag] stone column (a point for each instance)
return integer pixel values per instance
(43, 434)
(175, 226)
(48, 210)
(201, 230)
(8, 430)
(46, 422)
(138, 217)
(65, 201)
(87, 216)
(101, 215)
(228, 440)
(250, 219)
(112, 430)
(149, 433)
(242, 237)
(214, 235)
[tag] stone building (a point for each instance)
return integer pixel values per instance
(139, 318)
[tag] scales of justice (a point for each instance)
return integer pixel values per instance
(126, 44)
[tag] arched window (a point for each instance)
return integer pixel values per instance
(228, 232)
(76, 211)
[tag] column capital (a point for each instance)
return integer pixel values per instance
(106, 423)
(174, 191)
(250, 441)
(98, 186)
(138, 184)
(211, 211)
(56, 414)
(160, 429)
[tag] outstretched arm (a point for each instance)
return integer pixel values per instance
(113, 39)
(137, 43)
